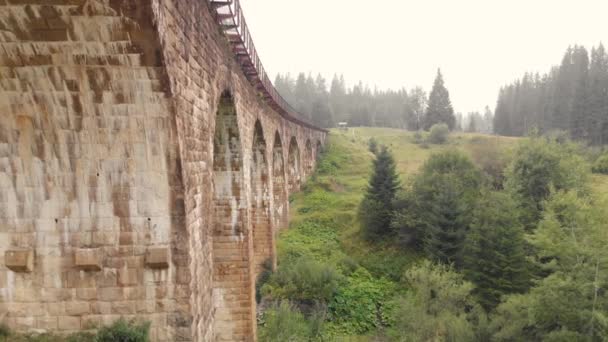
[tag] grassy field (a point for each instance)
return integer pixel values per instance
(324, 224)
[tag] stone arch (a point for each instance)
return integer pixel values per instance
(232, 295)
(318, 150)
(263, 238)
(293, 165)
(279, 185)
(308, 158)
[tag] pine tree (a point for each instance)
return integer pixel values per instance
(376, 208)
(494, 257)
(439, 108)
(442, 199)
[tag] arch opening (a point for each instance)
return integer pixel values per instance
(231, 254)
(263, 238)
(318, 150)
(279, 186)
(293, 161)
(309, 158)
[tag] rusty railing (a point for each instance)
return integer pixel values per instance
(229, 16)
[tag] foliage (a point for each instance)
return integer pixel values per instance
(120, 331)
(492, 160)
(359, 105)
(494, 257)
(359, 305)
(439, 306)
(376, 208)
(437, 213)
(570, 97)
(439, 133)
(4, 330)
(373, 145)
(601, 164)
(570, 302)
(540, 166)
(284, 322)
(124, 331)
(304, 281)
(439, 108)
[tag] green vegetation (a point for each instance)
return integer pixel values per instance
(439, 134)
(120, 331)
(601, 164)
(376, 209)
(459, 265)
(439, 108)
(494, 256)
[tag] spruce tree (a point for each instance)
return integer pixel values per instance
(439, 207)
(494, 256)
(439, 108)
(375, 211)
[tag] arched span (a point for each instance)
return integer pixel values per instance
(293, 165)
(230, 236)
(279, 185)
(309, 158)
(263, 238)
(318, 150)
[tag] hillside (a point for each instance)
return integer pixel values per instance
(325, 228)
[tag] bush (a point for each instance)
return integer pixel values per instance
(439, 134)
(440, 303)
(305, 281)
(124, 331)
(541, 166)
(4, 330)
(601, 164)
(491, 159)
(284, 322)
(120, 331)
(358, 306)
(418, 138)
(373, 145)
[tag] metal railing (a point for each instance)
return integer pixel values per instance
(229, 16)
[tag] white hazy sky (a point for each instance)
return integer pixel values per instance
(478, 44)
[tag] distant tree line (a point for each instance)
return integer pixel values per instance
(362, 106)
(359, 105)
(572, 97)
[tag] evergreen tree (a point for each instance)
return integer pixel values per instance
(494, 257)
(321, 110)
(438, 211)
(337, 99)
(414, 111)
(376, 208)
(439, 108)
(572, 97)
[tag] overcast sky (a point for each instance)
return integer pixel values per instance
(478, 44)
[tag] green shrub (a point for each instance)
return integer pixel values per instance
(119, 331)
(372, 145)
(358, 306)
(439, 134)
(601, 164)
(284, 322)
(124, 331)
(4, 330)
(541, 166)
(305, 281)
(418, 138)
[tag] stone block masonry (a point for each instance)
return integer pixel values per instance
(141, 175)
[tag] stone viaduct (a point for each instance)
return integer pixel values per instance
(145, 168)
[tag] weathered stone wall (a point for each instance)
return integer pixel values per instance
(113, 170)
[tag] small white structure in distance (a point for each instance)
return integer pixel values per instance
(343, 125)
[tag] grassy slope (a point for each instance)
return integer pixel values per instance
(324, 222)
